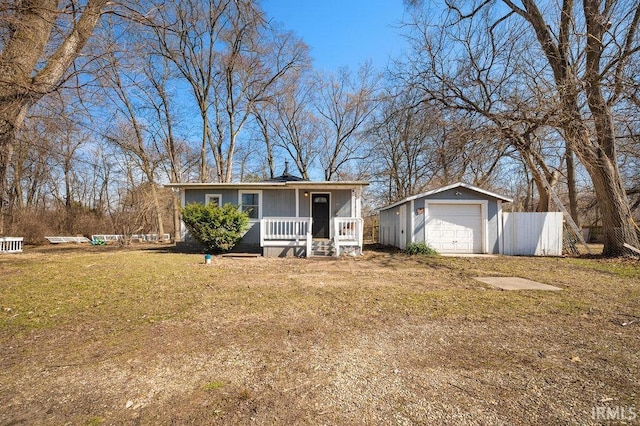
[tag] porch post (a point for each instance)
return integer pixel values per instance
(358, 214)
(309, 237)
(336, 240)
(297, 202)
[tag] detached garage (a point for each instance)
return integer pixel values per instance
(458, 218)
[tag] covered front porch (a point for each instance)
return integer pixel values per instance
(298, 236)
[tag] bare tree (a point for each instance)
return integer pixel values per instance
(258, 57)
(419, 145)
(263, 113)
(345, 103)
(400, 137)
(471, 69)
(188, 34)
(606, 42)
(163, 128)
(231, 58)
(120, 82)
(31, 163)
(28, 68)
(287, 122)
(585, 51)
(282, 115)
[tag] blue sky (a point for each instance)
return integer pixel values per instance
(343, 32)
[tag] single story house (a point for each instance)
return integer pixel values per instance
(288, 216)
(457, 218)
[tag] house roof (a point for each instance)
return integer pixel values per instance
(446, 188)
(286, 176)
(286, 180)
(268, 184)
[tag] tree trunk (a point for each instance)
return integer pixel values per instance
(264, 129)
(598, 154)
(539, 172)
(22, 83)
(228, 175)
(177, 223)
(617, 224)
(617, 221)
(158, 209)
(12, 116)
(6, 151)
(203, 145)
(571, 186)
(17, 193)
(543, 194)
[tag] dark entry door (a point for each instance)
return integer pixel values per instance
(320, 215)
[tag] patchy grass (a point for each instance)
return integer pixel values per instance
(213, 386)
(118, 289)
(94, 421)
(625, 268)
(106, 336)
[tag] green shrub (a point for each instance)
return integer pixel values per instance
(218, 229)
(420, 248)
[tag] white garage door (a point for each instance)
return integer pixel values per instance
(454, 228)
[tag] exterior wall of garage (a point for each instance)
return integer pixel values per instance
(388, 227)
(415, 217)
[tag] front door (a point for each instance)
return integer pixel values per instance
(320, 215)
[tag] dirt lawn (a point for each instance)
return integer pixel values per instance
(107, 336)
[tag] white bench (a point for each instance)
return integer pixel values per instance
(11, 244)
(149, 237)
(61, 240)
(134, 237)
(107, 237)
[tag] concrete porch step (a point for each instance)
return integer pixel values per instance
(322, 248)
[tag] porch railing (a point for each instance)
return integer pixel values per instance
(11, 244)
(286, 232)
(296, 232)
(347, 231)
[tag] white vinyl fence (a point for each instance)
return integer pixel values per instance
(11, 244)
(532, 234)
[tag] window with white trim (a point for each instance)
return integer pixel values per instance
(213, 198)
(251, 203)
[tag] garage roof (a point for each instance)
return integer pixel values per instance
(446, 188)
